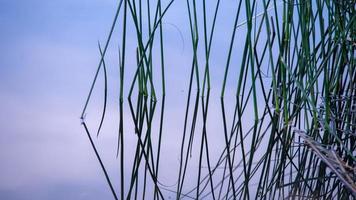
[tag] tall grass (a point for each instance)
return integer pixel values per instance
(288, 132)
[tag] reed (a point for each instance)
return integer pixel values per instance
(288, 131)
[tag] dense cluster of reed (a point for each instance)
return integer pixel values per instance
(290, 129)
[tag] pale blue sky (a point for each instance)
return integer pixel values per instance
(48, 56)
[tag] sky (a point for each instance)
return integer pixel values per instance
(48, 57)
